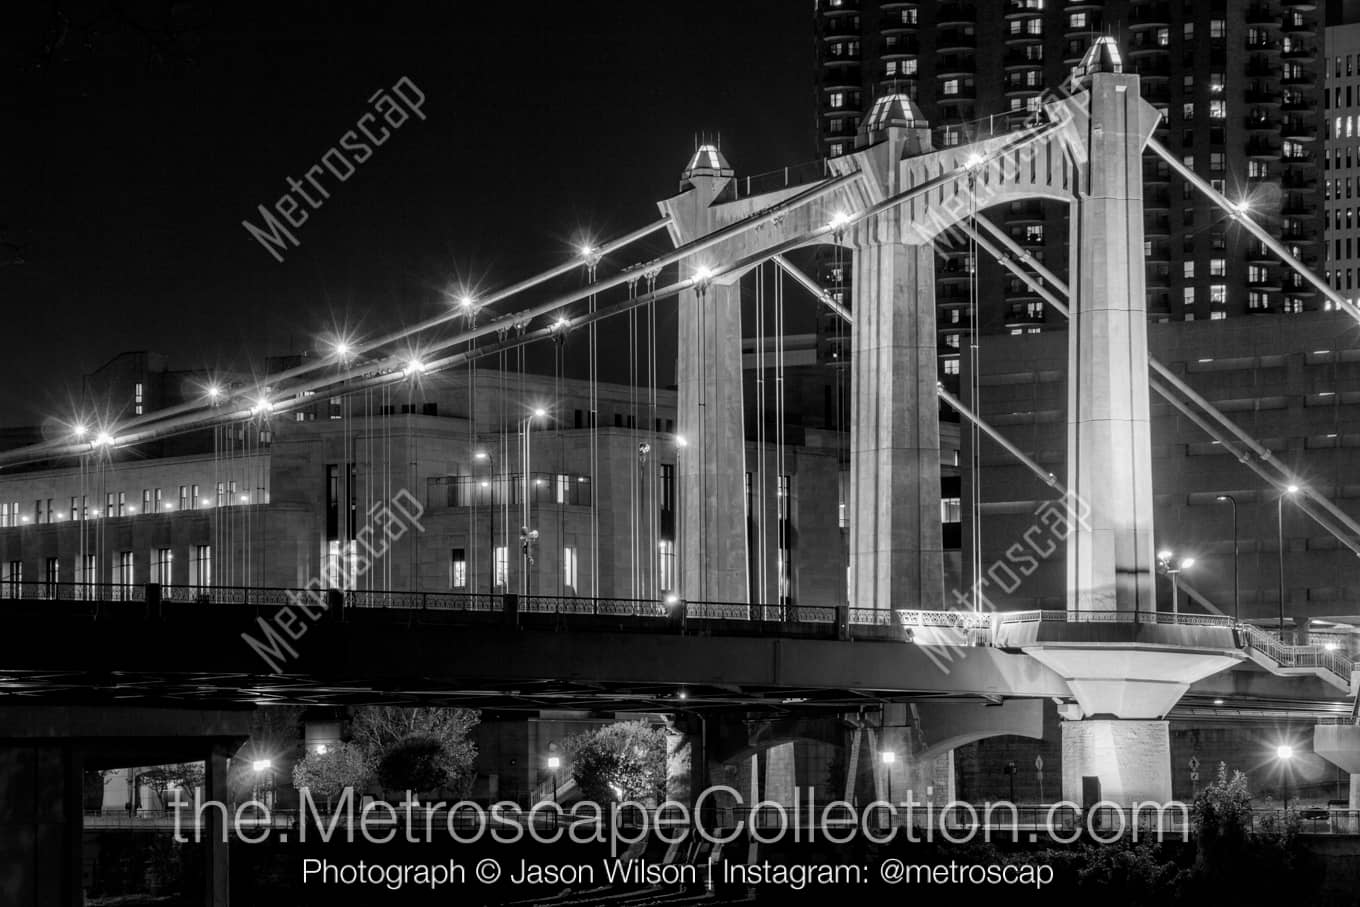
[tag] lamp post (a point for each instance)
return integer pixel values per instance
(260, 767)
(1172, 568)
(527, 535)
(1279, 543)
(554, 763)
(1236, 552)
(1284, 752)
(491, 471)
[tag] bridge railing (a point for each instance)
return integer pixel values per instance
(773, 180)
(40, 590)
(1291, 656)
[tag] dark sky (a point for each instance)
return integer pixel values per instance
(139, 134)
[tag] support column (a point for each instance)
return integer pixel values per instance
(1110, 557)
(781, 775)
(1131, 760)
(712, 464)
(896, 548)
(216, 857)
(41, 819)
(685, 759)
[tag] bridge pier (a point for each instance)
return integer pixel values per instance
(41, 818)
(1130, 761)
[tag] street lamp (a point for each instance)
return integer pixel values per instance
(491, 505)
(554, 763)
(1289, 491)
(1172, 567)
(527, 535)
(260, 767)
(1284, 752)
(1236, 550)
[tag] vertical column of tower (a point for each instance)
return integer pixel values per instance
(712, 464)
(1110, 552)
(896, 546)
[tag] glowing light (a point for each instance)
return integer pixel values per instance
(1164, 554)
(79, 430)
(540, 413)
(481, 455)
(1330, 647)
(167, 507)
(485, 483)
(413, 367)
(973, 160)
(1291, 489)
(888, 757)
(466, 301)
(214, 392)
(262, 765)
(132, 509)
(1241, 207)
(684, 695)
(343, 349)
(103, 439)
(262, 405)
(1187, 563)
(672, 600)
(554, 763)
(244, 498)
(839, 220)
(207, 502)
(586, 250)
(680, 441)
(1284, 751)
(702, 273)
(560, 324)
(28, 519)
(321, 749)
(1218, 702)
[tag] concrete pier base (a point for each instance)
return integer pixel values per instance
(1131, 760)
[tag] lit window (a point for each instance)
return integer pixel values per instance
(1218, 267)
(1218, 293)
(1218, 109)
(569, 569)
(950, 87)
(951, 366)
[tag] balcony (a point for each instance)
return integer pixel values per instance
(954, 39)
(1261, 67)
(1150, 14)
(1018, 59)
(1018, 8)
(1019, 317)
(1259, 253)
(1300, 53)
(841, 28)
(1262, 45)
(1261, 123)
(1302, 77)
(1153, 67)
(1263, 149)
(1299, 130)
(1156, 225)
(1262, 97)
(903, 47)
(955, 65)
(955, 14)
(1157, 199)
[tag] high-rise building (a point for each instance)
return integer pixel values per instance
(1341, 158)
(1240, 88)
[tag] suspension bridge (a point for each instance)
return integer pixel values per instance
(1118, 664)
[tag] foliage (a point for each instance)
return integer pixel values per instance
(418, 749)
(621, 761)
(418, 764)
(327, 774)
(162, 778)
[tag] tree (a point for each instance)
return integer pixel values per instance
(418, 749)
(621, 761)
(185, 776)
(327, 774)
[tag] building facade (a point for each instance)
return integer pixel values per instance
(1240, 86)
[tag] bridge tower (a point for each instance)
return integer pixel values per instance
(711, 463)
(896, 544)
(1110, 559)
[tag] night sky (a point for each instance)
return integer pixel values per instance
(138, 136)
